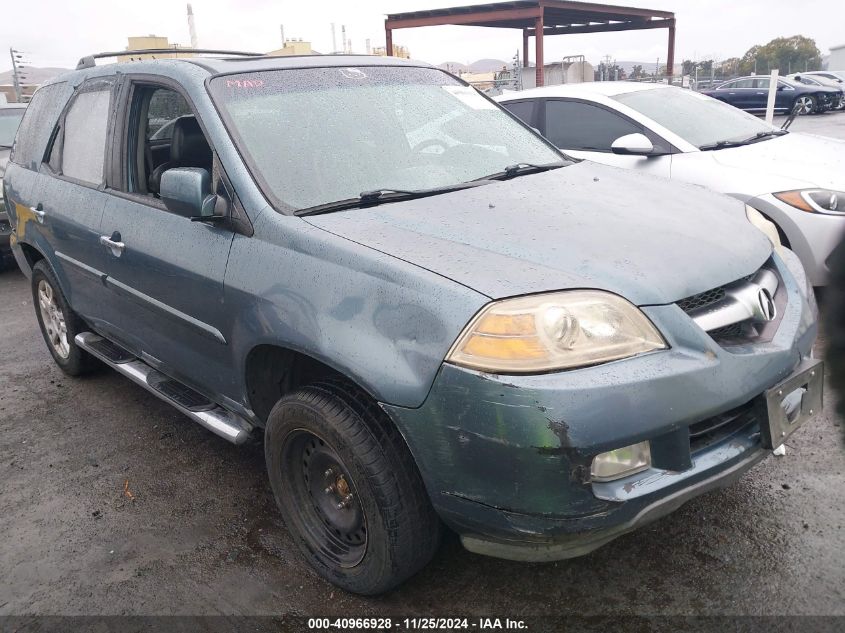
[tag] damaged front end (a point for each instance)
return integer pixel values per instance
(509, 460)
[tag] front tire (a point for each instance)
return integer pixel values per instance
(806, 104)
(348, 489)
(59, 324)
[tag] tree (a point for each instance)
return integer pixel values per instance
(728, 67)
(787, 54)
(637, 72)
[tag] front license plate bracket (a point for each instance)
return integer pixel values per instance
(792, 402)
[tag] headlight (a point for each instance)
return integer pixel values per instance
(767, 226)
(621, 462)
(560, 330)
(815, 200)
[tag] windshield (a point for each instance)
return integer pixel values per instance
(10, 118)
(313, 136)
(696, 118)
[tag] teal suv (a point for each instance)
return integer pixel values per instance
(430, 315)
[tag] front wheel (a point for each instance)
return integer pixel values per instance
(348, 488)
(805, 104)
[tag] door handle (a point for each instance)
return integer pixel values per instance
(113, 243)
(39, 212)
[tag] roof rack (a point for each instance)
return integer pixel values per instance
(89, 60)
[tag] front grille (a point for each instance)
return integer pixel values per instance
(713, 430)
(702, 299)
(710, 306)
(709, 297)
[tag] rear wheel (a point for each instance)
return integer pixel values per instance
(805, 104)
(59, 324)
(348, 488)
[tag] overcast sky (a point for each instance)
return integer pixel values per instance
(58, 33)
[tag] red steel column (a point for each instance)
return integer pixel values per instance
(388, 40)
(670, 56)
(525, 48)
(538, 41)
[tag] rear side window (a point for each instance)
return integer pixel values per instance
(84, 144)
(581, 126)
(37, 123)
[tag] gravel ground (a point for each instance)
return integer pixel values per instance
(201, 534)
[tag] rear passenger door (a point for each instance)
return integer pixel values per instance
(166, 280)
(587, 130)
(67, 199)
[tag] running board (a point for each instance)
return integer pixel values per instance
(212, 416)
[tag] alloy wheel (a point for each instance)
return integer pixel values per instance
(805, 105)
(53, 319)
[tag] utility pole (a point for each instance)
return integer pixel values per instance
(334, 39)
(15, 55)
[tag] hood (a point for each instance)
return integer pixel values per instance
(583, 226)
(795, 160)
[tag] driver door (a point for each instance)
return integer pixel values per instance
(166, 278)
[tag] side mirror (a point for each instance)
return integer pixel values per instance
(187, 191)
(632, 145)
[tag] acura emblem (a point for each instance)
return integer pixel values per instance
(768, 310)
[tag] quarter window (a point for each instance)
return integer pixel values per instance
(37, 123)
(581, 126)
(84, 146)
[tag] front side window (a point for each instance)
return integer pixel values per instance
(313, 136)
(696, 118)
(163, 134)
(524, 110)
(84, 143)
(581, 126)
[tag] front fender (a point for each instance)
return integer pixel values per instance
(384, 323)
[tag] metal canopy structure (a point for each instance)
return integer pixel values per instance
(538, 18)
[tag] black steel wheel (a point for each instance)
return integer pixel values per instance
(348, 488)
(331, 516)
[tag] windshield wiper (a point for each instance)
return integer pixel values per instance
(4, 146)
(521, 169)
(746, 141)
(383, 196)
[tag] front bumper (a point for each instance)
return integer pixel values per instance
(506, 459)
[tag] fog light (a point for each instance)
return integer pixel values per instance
(621, 462)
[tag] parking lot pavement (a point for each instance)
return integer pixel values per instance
(111, 502)
(828, 124)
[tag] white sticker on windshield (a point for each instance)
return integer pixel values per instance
(470, 97)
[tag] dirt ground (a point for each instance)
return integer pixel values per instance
(201, 535)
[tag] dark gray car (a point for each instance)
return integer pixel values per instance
(10, 118)
(430, 313)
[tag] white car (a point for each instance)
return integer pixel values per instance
(796, 180)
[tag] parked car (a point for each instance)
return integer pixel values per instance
(795, 180)
(464, 328)
(819, 80)
(10, 118)
(835, 75)
(752, 94)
